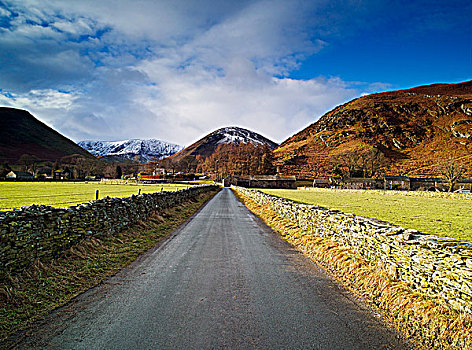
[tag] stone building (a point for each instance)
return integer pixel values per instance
(397, 183)
(19, 175)
(261, 181)
(428, 184)
(362, 183)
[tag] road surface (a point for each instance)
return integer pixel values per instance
(223, 280)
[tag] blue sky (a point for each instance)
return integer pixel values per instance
(176, 70)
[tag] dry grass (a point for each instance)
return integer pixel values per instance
(427, 323)
(30, 295)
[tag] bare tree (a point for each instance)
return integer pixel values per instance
(4, 169)
(358, 163)
(372, 162)
(29, 162)
(452, 171)
(348, 164)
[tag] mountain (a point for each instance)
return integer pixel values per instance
(412, 130)
(226, 151)
(21, 133)
(229, 135)
(143, 150)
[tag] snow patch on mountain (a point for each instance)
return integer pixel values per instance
(240, 135)
(143, 150)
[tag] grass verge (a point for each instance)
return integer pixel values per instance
(30, 295)
(427, 323)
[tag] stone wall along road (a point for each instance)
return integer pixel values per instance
(223, 280)
(438, 267)
(40, 232)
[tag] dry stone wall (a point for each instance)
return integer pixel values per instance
(43, 232)
(434, 266)
(426, 194)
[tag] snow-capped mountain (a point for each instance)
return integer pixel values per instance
(207, 145)
(135, 149)
(234, 134)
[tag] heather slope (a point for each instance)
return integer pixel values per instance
(414, 129)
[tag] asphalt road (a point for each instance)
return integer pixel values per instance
(223, 280)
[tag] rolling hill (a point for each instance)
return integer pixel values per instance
(21, 133)
(414, 130)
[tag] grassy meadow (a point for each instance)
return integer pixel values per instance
(65, 194)
(447, 217)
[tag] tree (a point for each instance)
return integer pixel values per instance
(452, 171)
(118, 173)
(359, 163)
(55, 167)
(29, 162)
(372, 162)
(267, 161)
(4, 170)
(237, 159)
(338, 174)
(168, 164)
(348, 164)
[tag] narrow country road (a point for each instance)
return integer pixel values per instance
(223, 280)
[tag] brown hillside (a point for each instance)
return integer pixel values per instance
(21, 133)
(415, 129)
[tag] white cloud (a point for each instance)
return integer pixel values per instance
(81, 26)
(193, 102)
(36, 32)
(40, 99)
(4, 12)
(173, 70)
(225, 76)
(50, 105)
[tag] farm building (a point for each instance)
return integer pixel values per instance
(403, 183)
(19, 175)
(362, 183)
(428, 184)
(350, 183)
(397, 183)
(414, 183)
(261, 181)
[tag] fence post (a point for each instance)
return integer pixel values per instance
(96, 194)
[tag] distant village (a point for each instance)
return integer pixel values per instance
(155, 172)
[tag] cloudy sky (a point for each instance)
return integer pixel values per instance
(178, 69)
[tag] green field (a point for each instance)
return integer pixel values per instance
(65, 194)
(430, 214)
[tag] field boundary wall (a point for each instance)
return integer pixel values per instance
(433, 266)
(39, 232)
(425, 194)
